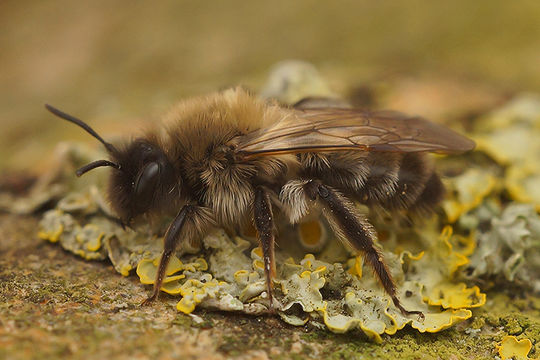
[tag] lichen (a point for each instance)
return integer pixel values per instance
(510, 248)
(85, 241)
(289, 82)
(512, 348)
(325, 293)
(497, 199)
(510, 135)
(469, 189)
(434, 264)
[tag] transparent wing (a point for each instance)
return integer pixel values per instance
(333, 129)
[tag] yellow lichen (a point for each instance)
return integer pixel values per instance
(250, 282)
(147, 269)
(439, 265)
(523, 183)
(510, 136)
(194, 291)
(91, 235)
(363, 304)
(455, 296)
(52, 226)
(435, 322)
(304, 289)
(173, 285)
(125, 269)
(242, 277)
(198, 265)
(373, 315)
(341, 324)
(309, 262)
(452, 258)
(470, 188)
(410, 256)
(52, 236)
(257, 256)
(355, 266)
(512, 348)
(77, 202)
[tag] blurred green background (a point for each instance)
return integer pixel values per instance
(113, 63)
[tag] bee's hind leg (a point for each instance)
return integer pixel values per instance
(354, 229)
(264, 223)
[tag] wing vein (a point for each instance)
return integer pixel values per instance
(315, 130)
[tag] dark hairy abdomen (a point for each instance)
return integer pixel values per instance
(391, 180)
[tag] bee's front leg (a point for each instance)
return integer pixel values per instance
(191, 222)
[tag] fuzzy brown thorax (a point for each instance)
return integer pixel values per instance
(200, 135)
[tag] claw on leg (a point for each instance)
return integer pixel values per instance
(406, 312)
(149, 300)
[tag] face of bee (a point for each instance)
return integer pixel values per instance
(144, 177)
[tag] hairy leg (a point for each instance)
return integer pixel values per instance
(264, 223)
(354, 229)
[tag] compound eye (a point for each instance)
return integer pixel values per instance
(145, 186)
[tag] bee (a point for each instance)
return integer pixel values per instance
(228, 159)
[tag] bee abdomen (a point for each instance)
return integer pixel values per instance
(414, 173)
(347, 171)
(382, 180)
(391, 180)
(430, 197)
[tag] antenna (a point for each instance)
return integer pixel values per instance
(95, 164)
(110, 148)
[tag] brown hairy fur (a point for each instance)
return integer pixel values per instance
(198, 143)
(198, 165)
(199, 140)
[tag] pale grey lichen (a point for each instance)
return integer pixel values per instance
(56, 182)
(510, 136)
(510, 248)
(506, 233)
(85, 241)
(291, 80)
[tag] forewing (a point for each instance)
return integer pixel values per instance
(315, 130)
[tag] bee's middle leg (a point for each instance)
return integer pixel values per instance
(264, 223)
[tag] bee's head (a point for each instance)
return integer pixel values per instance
(142, 175)
(144, 179)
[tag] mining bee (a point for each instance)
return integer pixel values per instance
(229, 159)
